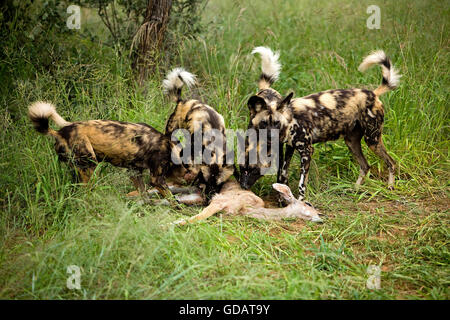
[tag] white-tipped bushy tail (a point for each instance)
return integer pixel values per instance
(391, 78)
(39, 112)
(270, 66)
(175, 81)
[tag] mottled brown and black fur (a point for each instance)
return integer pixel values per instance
(198, 117)
(84, 144)
(325, 116)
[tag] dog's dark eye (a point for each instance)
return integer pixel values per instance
(276, 124)
(263, 124)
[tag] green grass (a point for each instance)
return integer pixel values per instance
(126, 250)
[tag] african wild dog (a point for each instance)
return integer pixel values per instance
(136, 146)
(199, 119)
(320, 117)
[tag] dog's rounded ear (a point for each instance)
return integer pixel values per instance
(285, 102)
(256, 104)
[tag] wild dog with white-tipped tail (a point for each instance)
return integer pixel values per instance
(324, 116)
(197, 117)
(83, 144)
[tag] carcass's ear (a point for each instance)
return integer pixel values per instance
(285, 102)
(256, 104)
(285, 191)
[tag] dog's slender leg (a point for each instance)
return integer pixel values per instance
(305, 154)
(380, 150)
(280, 161)
(160, 184)
(353, 142)
(138, 183)
(85, 174)
(283, 178)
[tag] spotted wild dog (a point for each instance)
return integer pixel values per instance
(324, 116)
(136, 146)
(202, 121)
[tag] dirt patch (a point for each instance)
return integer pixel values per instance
(437, 203)
(232, 239)
(441, 204)
(291, 227)
(393, 207)
(389, 207)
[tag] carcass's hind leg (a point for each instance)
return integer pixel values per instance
(206, 213)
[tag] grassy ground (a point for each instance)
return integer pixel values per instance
(125, 249)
